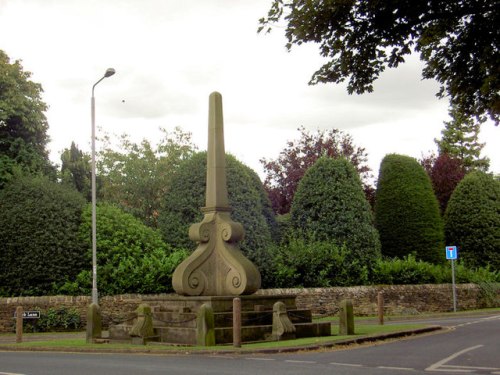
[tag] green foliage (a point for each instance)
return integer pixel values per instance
(330, 203)
(460, 140)
(457, 41)
(472, 220)
(76, 170)
(283, 174)
(407, 212)
(23, 125)
(251, 208)
(137, 175)
(39, 223)
(409, 270)
(310, 263)
(55, 319)
(131, 257)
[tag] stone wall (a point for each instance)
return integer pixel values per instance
(398, 299)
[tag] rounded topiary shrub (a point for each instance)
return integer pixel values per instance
(247, 198)
(330, 205)
(407, 211)
(472, 220)
(131, 257)
(39, 222)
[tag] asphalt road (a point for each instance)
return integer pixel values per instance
(471, 346)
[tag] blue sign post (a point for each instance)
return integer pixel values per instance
(452, 254)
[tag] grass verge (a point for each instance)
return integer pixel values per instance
(68, 344)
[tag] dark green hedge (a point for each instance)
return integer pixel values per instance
(472, 220)
(39, 223)
(331, 206)
(247, 198)
(407, 212)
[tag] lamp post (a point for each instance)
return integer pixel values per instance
(109, 72)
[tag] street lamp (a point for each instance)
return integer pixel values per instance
(109, 73)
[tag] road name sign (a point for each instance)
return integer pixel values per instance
(30, 315)
(451, 252)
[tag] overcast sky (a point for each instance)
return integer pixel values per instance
(169, 56)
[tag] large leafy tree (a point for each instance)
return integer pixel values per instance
(135, 176)
(407, 211)
(457, 40)
(330, 206)
(284, 173)
(247, 198)
(39, 222)
(23, 125)
(445, 173)
(472, 220)
(460, 140)
(76, 170)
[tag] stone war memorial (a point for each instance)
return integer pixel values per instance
(217, 272)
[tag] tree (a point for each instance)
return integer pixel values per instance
(330, 206)
(284, 173)
(445, 173)
(76, 170)
(460, 141)
(23, 125)
(131, 257)
(250, 207)
(457, 41)
(39, 222)
(407, 211)
(472, 220)
(136, 176)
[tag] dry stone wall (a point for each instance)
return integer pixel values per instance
(398, 299)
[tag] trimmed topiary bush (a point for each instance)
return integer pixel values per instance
(330, 205)
(472, 220)
(407, 211)
(39, 222)
(247, 198)
(131, 257)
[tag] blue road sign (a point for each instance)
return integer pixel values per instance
(451, 252)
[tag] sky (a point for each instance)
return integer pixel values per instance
(169, 55)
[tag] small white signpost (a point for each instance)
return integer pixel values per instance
(452, 254)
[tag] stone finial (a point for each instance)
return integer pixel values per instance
(143, 326)
(283, 327)
(217, 267)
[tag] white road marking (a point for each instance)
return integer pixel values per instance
(396, 368)
(346, 364)
(294, 361)
(9, 373)
(261, 359)
(435, 366)
(473, 367)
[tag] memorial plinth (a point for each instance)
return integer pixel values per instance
(216, 272)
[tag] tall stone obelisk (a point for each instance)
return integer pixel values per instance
(217, 267)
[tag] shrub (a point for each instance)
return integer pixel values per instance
(39, 223)
(131, 257)
(310, 263)
(247, 198)
(407, 212)
(330, 204)
(410, 271)
(472, 220)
